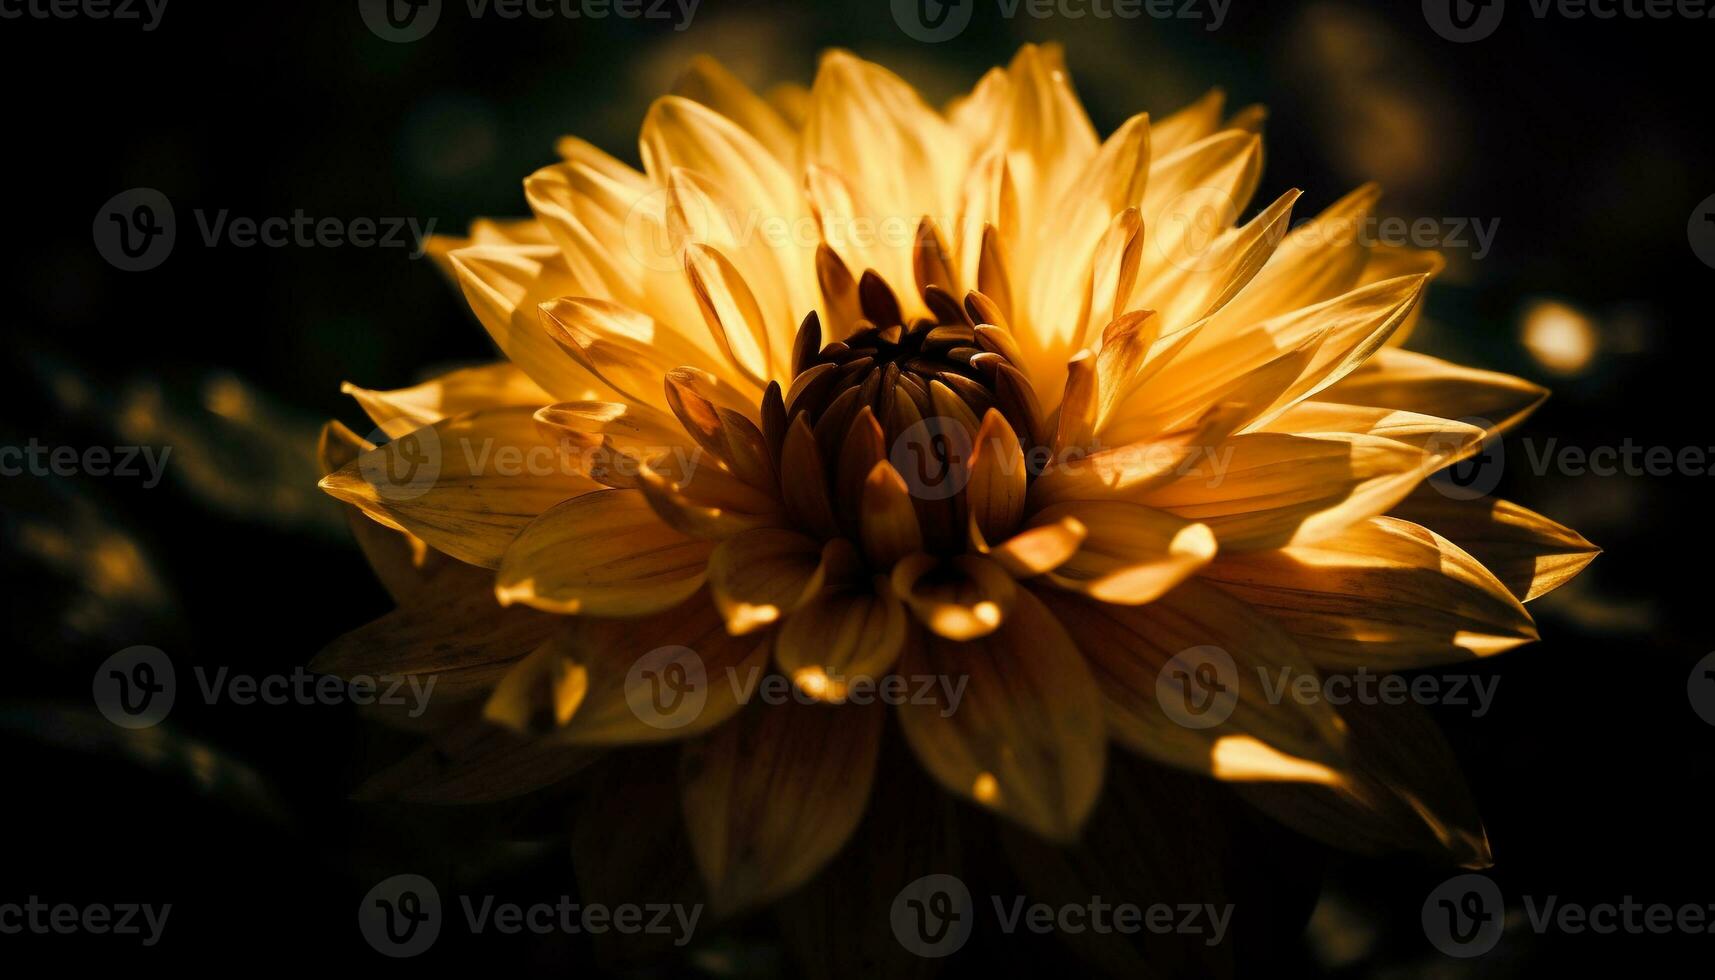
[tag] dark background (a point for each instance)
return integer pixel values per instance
(1587, 139)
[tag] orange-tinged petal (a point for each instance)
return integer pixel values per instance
(604, 554)
(504, 285)
(888, 523)
(599, 681)
(1419, 383)
(1023, 736)
(770, 797)
(610, 441)
(1403, 790)
(757, 577)
(404, 410)
(1531, 554)
(1130, 554)
(1384, 594)
(1267, 490)
(995, 492)
(1231, 726)
(847, 635)
(451, 629)
(399, 559)
(961, 598)
(466, 485)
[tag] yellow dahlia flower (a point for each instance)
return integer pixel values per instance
(841, 388)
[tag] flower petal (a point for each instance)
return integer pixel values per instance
(1404, 791)
(1419, 383)
(772, 796)
(961, 598)
(603, 554)
(1262, 736)
(1528, 552)
(465, 485)
(601, 681)
(1015, 722)
(403, 410)
(757, 577)
(849, 633)
(1131, 554)
(504, 285)
(1384, 594)
(1269, 490)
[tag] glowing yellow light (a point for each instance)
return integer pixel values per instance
(1561, 338)
(986, 789)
